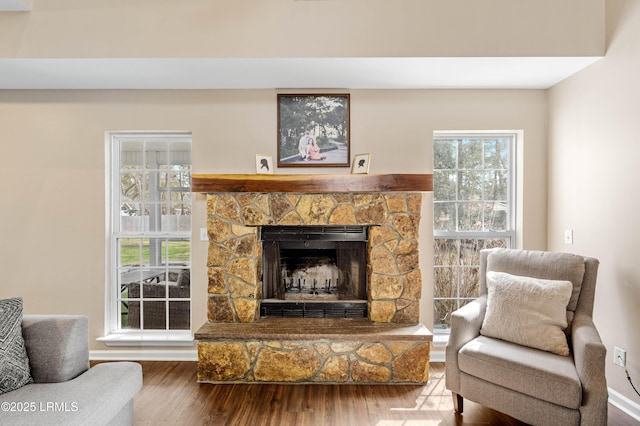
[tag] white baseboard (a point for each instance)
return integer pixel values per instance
(625, 404)
(437, 356)
(438, 347)
(144, 355)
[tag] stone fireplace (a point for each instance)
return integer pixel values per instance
(277, 251)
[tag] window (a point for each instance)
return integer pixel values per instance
(150, 235)
(474, 209)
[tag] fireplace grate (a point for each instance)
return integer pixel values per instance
(313, 309)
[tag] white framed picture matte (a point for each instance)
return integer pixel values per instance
(264, 164)
(360, 164)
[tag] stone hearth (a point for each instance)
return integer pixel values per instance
(390, 346)
(313, 350)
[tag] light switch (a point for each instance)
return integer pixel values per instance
(203, 234)
(568, 236)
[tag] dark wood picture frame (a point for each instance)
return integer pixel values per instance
(314, 130)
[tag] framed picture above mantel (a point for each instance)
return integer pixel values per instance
(313, 130)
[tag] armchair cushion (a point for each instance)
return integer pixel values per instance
(14, 363)
(527, 311)
(540, 374)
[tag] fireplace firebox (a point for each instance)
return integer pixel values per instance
(314, 271)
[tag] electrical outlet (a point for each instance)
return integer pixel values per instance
(619, 356)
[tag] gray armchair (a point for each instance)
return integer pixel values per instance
(531, 385)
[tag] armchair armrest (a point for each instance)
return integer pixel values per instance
(57, 346)
(589, 355)
(466, 323)
(465, 326)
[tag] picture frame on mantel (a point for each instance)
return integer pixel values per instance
(264, 164)
(314, 130)
(360, 164)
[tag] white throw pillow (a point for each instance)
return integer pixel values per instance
(527, 311)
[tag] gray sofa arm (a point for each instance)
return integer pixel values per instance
(590, 355)
(465, 326)
(101, 396)
(57, 346)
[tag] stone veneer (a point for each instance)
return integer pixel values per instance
(234, 261)
(313, 350)
(394, 285)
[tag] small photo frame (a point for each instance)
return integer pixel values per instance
(360, 164)
(264, 164)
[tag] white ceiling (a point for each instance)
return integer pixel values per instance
(288, 73)
(15, 5)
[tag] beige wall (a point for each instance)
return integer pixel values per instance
(289, 28)
(593, 182)
(53, 177)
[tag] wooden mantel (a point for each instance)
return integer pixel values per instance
(212, 183)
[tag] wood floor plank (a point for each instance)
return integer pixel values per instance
(172, 396)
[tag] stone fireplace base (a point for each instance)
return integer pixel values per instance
(304, 350)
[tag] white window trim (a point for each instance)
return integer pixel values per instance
(148, 338)
(112, 335)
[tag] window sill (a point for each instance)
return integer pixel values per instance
(172, 338)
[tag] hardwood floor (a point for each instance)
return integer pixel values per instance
(171, 396)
